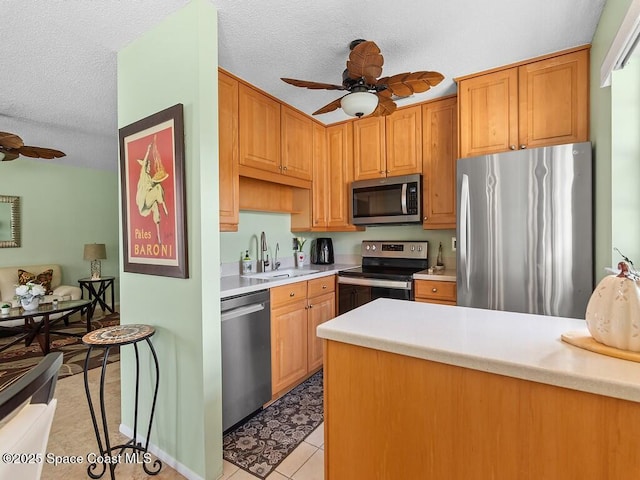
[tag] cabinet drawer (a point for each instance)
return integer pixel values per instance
(288, 293)
(322, 285)
(436, 290)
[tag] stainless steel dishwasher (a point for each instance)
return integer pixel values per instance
(246, 355)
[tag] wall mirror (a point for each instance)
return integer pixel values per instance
(9, 221)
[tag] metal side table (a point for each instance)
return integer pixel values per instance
(107, 338)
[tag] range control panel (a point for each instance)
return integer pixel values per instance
(394, 249)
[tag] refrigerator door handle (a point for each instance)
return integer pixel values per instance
(465, 226)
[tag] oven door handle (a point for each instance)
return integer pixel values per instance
(375, 282)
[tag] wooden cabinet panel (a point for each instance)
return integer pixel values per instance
(534, 104)
(440, 152)
(321, 309)
(488, 113)
(288, 344)
(404, 141)
(369, 148)
(288, 293)
(553, 100)
(228, 152)
(320, 286)
(297, 143)
(259, 130)
(340, 170)
(320, 186)
(435, 291)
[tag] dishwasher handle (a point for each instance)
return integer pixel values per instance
(240, 311)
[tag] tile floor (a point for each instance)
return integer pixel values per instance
(72, 434)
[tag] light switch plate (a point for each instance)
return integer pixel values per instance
(453, 244)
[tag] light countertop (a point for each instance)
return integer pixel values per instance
(518, 345)
(441, 276)
(237, 285)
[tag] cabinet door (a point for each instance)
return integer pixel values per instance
(404, 141)
(320, 185)
(259, 130)
(321, 309)
(288, 344)
(228, 151)
(554, 100)
(340, 168)
(369, 148)
(440, 150)
(297, 143)
(488, 112)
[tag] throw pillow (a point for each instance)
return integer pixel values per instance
(43, 278)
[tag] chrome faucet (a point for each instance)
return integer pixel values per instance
(263, 248)
(276, 263)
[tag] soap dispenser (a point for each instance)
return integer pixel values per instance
(246, 263)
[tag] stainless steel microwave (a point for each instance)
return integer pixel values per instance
(386, 200)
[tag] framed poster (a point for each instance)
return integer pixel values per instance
(153, 195)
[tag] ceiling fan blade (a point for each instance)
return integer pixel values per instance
(312, 85)
(7, 155)
(40, 152)
(365, 61)
(386, 106)
(10, 140)
(329, 107)
(405, 84)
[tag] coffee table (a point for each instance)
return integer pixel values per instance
(37, 323)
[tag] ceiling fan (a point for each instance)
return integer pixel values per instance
(368, 94)
(12, 146)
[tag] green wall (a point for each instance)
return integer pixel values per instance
(277, 228)
(601, 136)
(62, 208)
(176, 62)
(625, 166)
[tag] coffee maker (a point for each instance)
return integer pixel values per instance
(322, 251)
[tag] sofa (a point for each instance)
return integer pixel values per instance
(9, 280)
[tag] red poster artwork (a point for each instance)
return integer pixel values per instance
(151, 192)
(153, 205)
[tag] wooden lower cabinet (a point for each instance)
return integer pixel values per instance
(296, 310)
(391, 417)
(435, 291)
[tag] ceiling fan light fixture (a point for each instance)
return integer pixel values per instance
(359, 104)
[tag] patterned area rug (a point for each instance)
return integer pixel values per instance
(259, 445)
(18, 359)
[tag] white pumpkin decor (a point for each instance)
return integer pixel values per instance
(613, 311)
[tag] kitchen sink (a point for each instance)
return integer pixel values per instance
(276, 274)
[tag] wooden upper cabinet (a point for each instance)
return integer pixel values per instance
(404, 141)
(369, 148)
(533, 104)
(259, 130)
(488, 113)
(228, 152)
(320, 181)
(554, 107)
(340, 168)
(297, 143)
(440, 149)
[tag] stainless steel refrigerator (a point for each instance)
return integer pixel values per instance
(524, 230)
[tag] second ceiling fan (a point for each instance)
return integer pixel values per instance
(369, 94)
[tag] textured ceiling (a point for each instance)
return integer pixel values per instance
(58, 83)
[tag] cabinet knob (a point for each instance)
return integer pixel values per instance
(324, 287)
(434, 289)
(523, 146)
(292, 294)
(279, 167)
(512, 147)
(425, 218)
(381, 172)
(284, 168)
(311, 306)
(388, 171)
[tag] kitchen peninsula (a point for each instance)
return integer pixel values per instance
(417, 390)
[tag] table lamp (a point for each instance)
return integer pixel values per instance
(95, 252)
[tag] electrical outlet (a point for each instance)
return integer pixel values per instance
(453, 244)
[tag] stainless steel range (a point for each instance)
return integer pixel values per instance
(386, 272)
